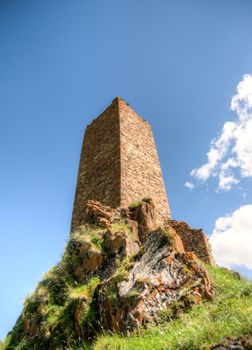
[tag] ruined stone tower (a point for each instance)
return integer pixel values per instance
(119, 163)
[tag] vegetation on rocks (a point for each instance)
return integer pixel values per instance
(112, 291)
(179, 327)
(137, 203)
(196, 327)
(55, 314)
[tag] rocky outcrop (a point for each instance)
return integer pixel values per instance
(119, 272)
(154, 279)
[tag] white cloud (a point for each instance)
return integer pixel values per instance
(189, 185)
(242, 101)
(226, 179)
(233, 148)
(232, 238)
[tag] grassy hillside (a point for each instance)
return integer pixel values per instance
(230, 314)
(60, 313)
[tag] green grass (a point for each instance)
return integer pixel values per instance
(88, 233)
(136, 203)
(229, 314)
(59, 295)
(121, 227)
(122, 272)
(86, 290)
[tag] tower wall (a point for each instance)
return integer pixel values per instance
(99, 168)
(141, 173)
(119, 163)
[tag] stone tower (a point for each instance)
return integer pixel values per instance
(119, 163)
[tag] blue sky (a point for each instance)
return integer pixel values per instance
(178, 64)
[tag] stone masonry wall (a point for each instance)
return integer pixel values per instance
(99, 168)
(119, 163)
(141, 173)
(194, 240)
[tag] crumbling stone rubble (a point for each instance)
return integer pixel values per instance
(194, 240)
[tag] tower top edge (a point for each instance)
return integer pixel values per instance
(120, 103)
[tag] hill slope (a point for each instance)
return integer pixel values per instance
(229, 314)
(116, 289)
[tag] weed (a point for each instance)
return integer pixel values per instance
(136, 203)
(85, 291)
(97, 242)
